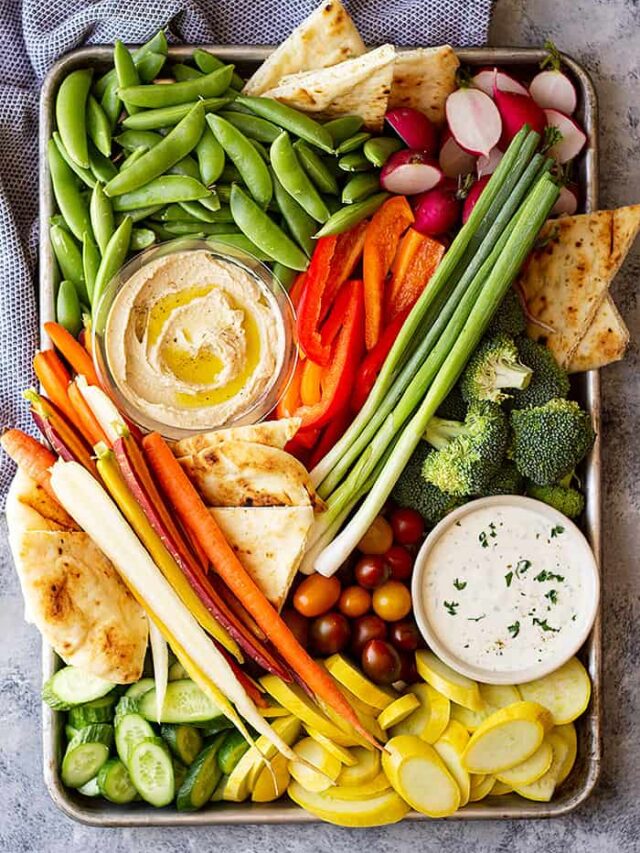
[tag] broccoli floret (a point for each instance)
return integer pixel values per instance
(550, 440)
(493, 367)
(467, 454)
(506, 481)
(509, 319)
(549, 380)
(453, 406)
(565, 499)
(411, 490)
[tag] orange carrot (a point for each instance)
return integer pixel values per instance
(73, 351)
(380, 244)
(54, 378)
(75, 442)
(91, 429)
(415, 262)
(194, 514)
(33, 458)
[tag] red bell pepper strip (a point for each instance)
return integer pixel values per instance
(415, 262)
(295, 292)
(372, 364)
(346, 256)
(330, 435)
(308, 321)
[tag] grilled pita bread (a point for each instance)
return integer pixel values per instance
(606, 340)
(73, 594)
(567, 279)
(328, 36)
(269, 542)
(358, 86)
(423, 79)
(273, 433)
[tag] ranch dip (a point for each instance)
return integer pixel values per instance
(508, 587)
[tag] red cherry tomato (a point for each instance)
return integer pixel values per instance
(407, 526)
(315, 595)
(381, 662)
(366, 628)
(354, 601)
(400, 562)
(392, 601)
(372, 571)
(408, 670)
(329, 633)
(298, 624)
(405, 635)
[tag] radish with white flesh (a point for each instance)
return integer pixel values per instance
(474, 120)
(573, 137)
(472, 197)
(516, 111)
(554, 90)
(483, 80)
(567, 202)
(488, 165)
(454, 161)
(438, 210)
(410, 172)
(413, 128)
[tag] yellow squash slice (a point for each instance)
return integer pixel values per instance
(457, 688)
(480, 787)
(340, 752)
(376, 786)
(500, 789)
(313, 755)
(565, 692)
(365, 769)
(350, 676)
(568, 734)
(542, 789)
(450, 747)
(398, 711)
(530, 770)
(429, 720)
(295, 700)
(385, 808)
(494, 696)
(271, 782)
(420, 776)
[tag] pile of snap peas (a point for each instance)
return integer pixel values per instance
(133, 162)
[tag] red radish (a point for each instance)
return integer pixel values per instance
(409, 172)
(413, 128)
(483, 80)
(474, 120)
(488, 165)
(438, 210)
(554, 90)
(473, 196)
(516, 111)
(573, 137)
(567, 201)
(454, 161)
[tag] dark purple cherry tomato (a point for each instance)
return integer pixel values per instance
(407, 526)
(405, 635)
(381, 662)
(372, 571)
(329, 633)
(400, 562)
(298, 625)
(408, 670)
(370, 627)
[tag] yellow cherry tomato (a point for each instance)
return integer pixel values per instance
(378, 538)
(315, 595)
(392, 601)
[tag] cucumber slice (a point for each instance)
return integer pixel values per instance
(233, 748)
(202, 779)
(70, 732)
(139, 688)
(177, 672)
(86, 754)
(151, 771)
(70, 686)
(114, 782)
(98, 711)
(184, 703)
(185, 742)
(214, 727)
(131, 729)
(125, 706)
(179, 773)
(90, 788)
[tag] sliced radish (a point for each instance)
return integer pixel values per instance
(553, 90)
(516, 111)
(488, 165)
(483, 80)
(454, 161)
(413, 128)
(409, 172)
(472, 197)
(438, 210)
(567, 201)
(573, 137)
(473, 120)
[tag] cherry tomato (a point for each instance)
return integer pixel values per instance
(392, 601)
(329, 633)
(315, 595)
(400, 562)
(407, 526)
(372, 571)
(354, 601)
(381, 662)
(378, 538)
(298, 624)
(366, 628)
(408, 670)
(405, 635)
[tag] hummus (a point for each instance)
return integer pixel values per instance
(193, 341)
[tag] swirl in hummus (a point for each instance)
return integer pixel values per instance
(193, 341)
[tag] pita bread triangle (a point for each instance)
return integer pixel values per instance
(605, 341)
(423, 79)
(273, 433)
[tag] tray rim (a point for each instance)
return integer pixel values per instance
(504, 808)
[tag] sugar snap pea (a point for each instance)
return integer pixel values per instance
(71, 104)
(161, 191)
(211, 202)
(90, 263)
(207, 63)
(85, 175)
(292, 120)
(198, 212)
(102, 167)
(101, 215)
(230, 174)
(141, 238)
(223, 191)
(210, 156)
(152, 96)
(182, 72)
(250, 165)
(316, 168)
(156, 45)
(242, 242)
(360, 186)
(261, 149)
(111, 103)
(347, 217)
(180, 228)
(186, 166)
(58, 219)
(343, 127)
(353, 142)
(175, 145)
(285, 276)
(300, 224)
(263, 231)
(112, 259)
(354, 162)
(294, 179)
(128, 162)
(252, 126)
(150, 66)
(378, 150)
(69, 257)
(171, 213)
(126, 71)
(169, 116)
(68, 312)
(132, 139)
(162, 234)
(137, 214)
(71, 204)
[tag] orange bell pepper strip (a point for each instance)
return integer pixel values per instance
(380, 244)
(310, 391)
(346, 256)
(290, 401)
(309, 307)
(372, 364)
(415, 262)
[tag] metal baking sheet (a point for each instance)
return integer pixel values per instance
(99, 812)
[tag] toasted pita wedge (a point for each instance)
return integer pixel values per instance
(269, 542)
(424, 79)
(74, 595)
(568, 277)
(358, 86)
(273, 433)
(326, 37)
(605, 341)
